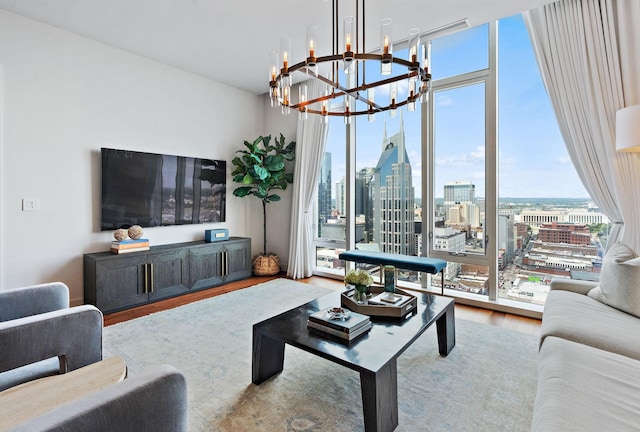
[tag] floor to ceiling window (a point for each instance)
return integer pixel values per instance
(548, 225)
(489, 186)
(331, 221)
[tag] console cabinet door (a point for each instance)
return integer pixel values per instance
(120, 283)
(206, 266)
(238, 260)
(170, 273)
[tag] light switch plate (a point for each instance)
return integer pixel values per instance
(30, 204)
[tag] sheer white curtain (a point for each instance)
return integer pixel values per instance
(311, 138)
(587, 51)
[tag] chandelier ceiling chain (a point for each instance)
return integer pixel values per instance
(415, 70)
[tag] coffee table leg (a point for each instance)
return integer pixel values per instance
(267, 358)
(446, 326)
(380, 398)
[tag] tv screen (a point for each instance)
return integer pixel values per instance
(149, 189)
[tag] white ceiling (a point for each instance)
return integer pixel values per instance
(229, 41)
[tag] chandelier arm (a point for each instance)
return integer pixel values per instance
(359, 56)
(355, 113)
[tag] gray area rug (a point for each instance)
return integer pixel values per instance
(487, 383)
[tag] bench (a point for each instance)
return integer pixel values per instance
(403, 262)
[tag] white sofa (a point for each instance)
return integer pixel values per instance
(589, 359)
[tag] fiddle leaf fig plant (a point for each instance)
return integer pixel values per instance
(262, 169)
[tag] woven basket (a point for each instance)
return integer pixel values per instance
(266, 265)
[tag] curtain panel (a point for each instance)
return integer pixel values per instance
(587, 51)
(311, 138)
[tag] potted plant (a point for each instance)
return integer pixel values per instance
(262, 169)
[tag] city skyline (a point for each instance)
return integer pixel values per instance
(533, 160)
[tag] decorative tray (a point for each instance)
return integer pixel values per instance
(381, 303)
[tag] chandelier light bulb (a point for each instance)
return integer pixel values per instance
(302, 99)
(393, 97)
(426, 57)
(414, 46)
(387, 46)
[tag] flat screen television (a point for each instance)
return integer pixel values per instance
(150, 189)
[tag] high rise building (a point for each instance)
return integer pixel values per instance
(506, 239)
(364, 199)
(393, 197)
(340, 204)
(450, 240)
(459, 192)
(324, 192)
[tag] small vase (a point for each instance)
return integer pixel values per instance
(360, 295)
(389, 278)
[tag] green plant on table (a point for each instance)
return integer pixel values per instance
(359, 278)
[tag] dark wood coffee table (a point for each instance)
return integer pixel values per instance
(373, 355)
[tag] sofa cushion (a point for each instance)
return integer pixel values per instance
(581, 388)
(620, 280)
(580, 318)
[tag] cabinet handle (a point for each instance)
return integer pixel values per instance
(151, 276)
(146, 279)
(226, 263)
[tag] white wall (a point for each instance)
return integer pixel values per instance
(278, 213)
(63, 97)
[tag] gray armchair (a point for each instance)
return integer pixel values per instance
(154, 401)
(41, 335)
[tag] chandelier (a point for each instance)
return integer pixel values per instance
(351, 84)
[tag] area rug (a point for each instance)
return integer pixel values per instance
(487, 383)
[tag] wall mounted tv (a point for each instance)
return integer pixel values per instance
(149, 189)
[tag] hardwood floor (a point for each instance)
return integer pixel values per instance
(484, 316)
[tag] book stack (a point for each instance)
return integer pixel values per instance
(339, 322)
(129, 245)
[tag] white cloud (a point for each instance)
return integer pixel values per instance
(564, 160)
(475, 157)
(444, 100)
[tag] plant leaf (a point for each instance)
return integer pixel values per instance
(261, 172)
(242, 191)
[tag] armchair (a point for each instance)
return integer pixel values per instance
(41, 335)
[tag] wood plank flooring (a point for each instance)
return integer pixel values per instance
(484, 316)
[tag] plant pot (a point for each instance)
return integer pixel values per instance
(266, 265)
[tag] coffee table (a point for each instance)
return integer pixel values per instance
(373, 355)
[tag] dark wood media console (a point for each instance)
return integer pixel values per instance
(115, 282)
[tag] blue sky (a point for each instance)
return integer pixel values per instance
(533, 161)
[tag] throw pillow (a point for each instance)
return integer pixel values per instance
(619, 285)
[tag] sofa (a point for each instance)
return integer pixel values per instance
(589, 357)
(40, 335)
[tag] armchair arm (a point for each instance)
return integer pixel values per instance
(577, 286)
(155, 400)
(33, 300)
(74, 335)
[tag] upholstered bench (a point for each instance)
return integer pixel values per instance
(403, 262)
